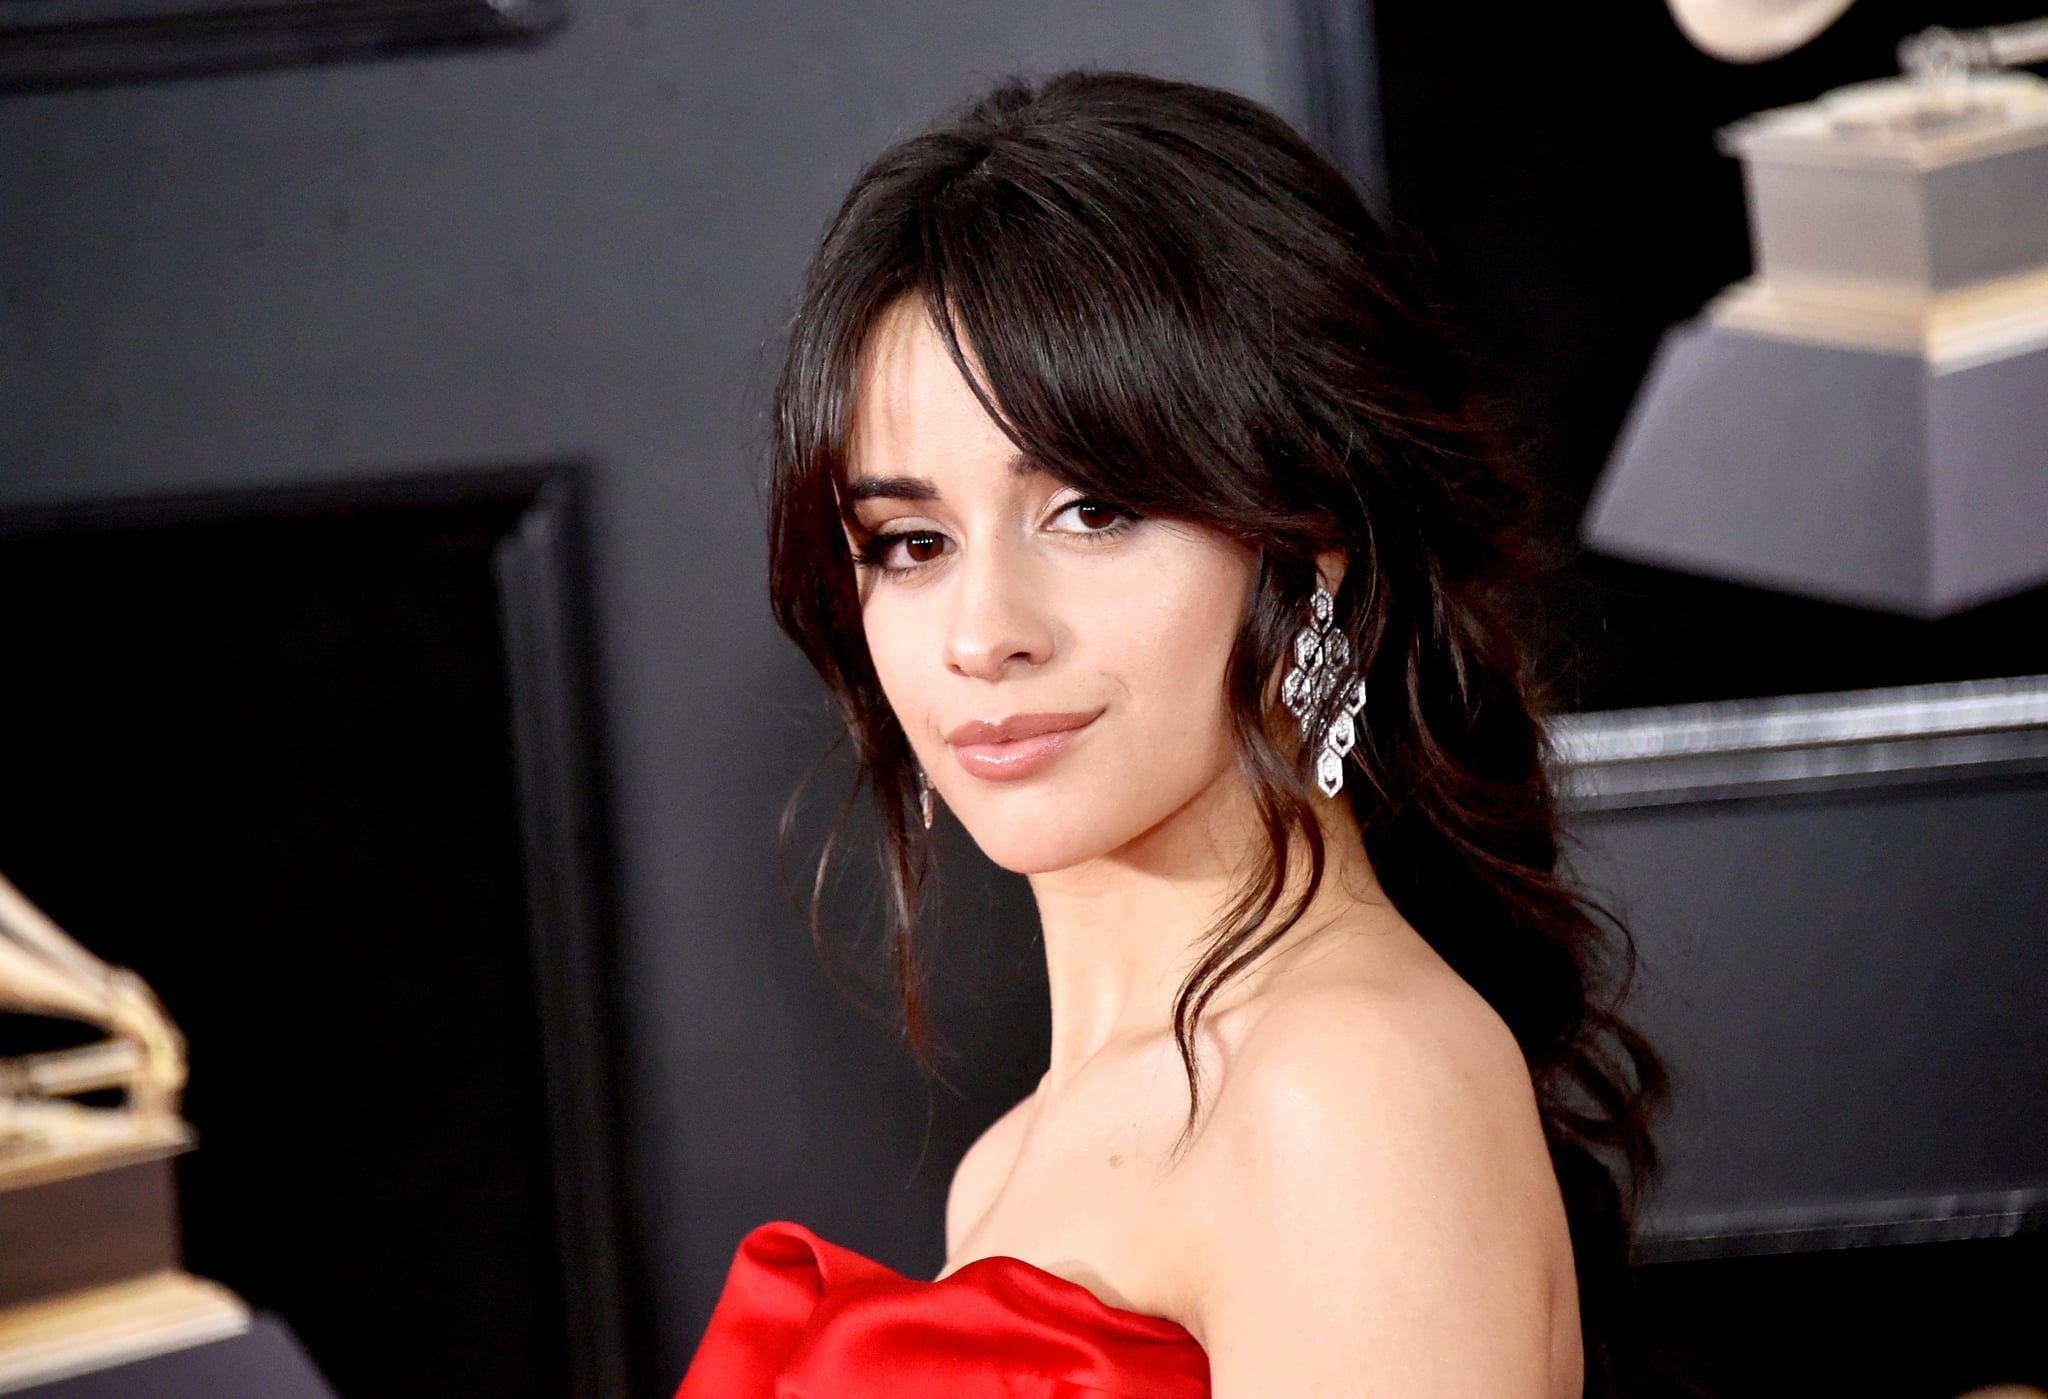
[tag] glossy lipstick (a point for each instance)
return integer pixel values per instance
(1007, 749)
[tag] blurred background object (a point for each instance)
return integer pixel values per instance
(1862, 419)
(1749, 31)
(89, 1260)
(339, 739)
(44, 971)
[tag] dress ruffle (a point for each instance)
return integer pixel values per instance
(801, 1318)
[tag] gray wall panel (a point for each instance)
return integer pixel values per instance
(1847, 987)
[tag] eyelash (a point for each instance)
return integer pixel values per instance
(874, 550)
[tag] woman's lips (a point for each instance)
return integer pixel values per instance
(1007, 749)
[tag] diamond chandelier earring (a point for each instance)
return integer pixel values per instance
(924, 798)
(1322, 667)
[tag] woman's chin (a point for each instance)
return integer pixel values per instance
(1030, 847)
(1029, 857)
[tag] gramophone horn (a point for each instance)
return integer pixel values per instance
(1749, 31)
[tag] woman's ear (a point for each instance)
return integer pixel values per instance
(1330, 567)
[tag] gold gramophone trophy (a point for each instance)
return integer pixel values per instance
(90, 1273)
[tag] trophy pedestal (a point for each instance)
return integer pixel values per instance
(89, 1262)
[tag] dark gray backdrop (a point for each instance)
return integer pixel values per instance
(580, 251)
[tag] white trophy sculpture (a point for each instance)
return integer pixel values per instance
(1859, 419)
(89, 1256)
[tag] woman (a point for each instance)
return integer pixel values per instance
(1130, 511)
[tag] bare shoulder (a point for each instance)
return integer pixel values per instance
(1378, 1209)
(981, 1173)
(1355, 1084)
(1422, 1054)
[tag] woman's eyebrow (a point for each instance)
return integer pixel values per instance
(920, 487)
(891, 488)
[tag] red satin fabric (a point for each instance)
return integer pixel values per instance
(804, 1319)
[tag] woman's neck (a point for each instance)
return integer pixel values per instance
(1121, 932)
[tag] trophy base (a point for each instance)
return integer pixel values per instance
(98, 1328)
(83, 1218)
(89, 1261)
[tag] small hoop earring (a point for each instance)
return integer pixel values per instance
(1322, 667)
(924, 799)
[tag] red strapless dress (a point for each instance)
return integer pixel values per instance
(804, 1319)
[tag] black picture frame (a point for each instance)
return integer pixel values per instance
(539, 567)
(48, 44)
(548, 627)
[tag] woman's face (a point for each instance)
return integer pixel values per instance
(1057, 665)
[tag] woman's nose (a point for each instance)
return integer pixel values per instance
(998, 620)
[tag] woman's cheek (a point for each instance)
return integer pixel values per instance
(891, 648)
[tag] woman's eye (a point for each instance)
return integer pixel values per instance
(922, 548)
(1093, 516)
(903, 550)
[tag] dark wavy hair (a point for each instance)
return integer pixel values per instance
(1176, 306)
